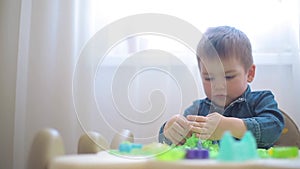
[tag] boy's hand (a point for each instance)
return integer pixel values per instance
(210, 127)
(177, 129)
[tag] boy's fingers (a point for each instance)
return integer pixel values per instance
(197, 124)
(202, 133)
(196, 118)
(199, 130)
(204, 136)
(182, 121)
(189, 134)
(178, 128)
(175, 137)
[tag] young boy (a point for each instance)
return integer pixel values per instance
(226, 67)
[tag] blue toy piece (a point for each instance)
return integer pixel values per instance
(136, 146)
(234, 150)
(127, 147)
(199, 144)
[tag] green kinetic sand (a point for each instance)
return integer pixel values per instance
(229, 149)
(179, 152)
(172, 155)
(193, 143)
(283, 152)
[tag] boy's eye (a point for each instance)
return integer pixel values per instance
(229, 77)
(208, 78)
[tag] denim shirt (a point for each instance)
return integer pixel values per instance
(258, 110)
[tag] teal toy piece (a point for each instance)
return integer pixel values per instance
(235, 150)
(127, 147)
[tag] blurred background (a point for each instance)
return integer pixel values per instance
(41, 44)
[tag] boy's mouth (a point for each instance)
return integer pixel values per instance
(219, 96)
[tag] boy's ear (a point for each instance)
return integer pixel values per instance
(251, 73)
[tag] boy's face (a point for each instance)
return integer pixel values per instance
(224, 80)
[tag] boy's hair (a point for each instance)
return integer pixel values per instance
(225, 42)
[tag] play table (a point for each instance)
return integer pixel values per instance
(106, 160)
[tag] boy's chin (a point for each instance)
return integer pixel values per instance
(220, 102)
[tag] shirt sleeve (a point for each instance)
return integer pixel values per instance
(193, 109)
(161, 137)
(268, 121)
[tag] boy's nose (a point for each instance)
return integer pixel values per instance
(219, 84)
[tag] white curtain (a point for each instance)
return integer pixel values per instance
(52, 66)
(48, 46)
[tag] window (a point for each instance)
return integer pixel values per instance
(271, 25)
